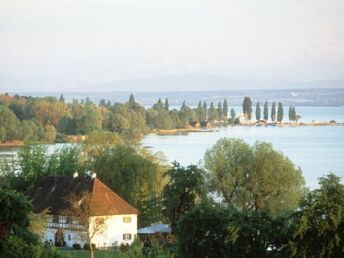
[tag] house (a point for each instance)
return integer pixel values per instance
(119, 218)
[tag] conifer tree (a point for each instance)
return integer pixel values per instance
(273, 112)
(211, 112)
(266, 111)
(166, 107)
(258, 111)
(205, 111)
(280, 112)
(290, 113)
(219, 111)
(225, 109)
(131, 98)
(232, 114)
(247, 107)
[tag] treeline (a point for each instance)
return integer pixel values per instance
(276, 114)
(50, 119)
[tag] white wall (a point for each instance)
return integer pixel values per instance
(112, 233)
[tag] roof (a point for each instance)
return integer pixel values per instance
(155, 228)
(51, 192)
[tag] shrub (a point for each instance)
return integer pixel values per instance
(76, 246)
(87, 246)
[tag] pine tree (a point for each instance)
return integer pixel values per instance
(199, 111)
(62, 99)
(232, 114)
(258, 111)
(225, 109)
(266, 111)
(219, 111)
(273, 112)
(205, 111)
(211, 112)
(290, 113)
(131, 99)
(247, 107)
(280, 112)
(166, 107)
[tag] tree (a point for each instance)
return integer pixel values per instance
(273, 112)
(61, 99)
(199, 112)
(132, 99)
(212, 112)
(202, 232)
(181, 193)
(247, 107)
(79, 209)
(232, 114)
(166, 106)
(280, 112)
(132, 172)
(205, 111)
(258, 111)
(219, 110)
(319, 223)
(225, 109)
(266, 111)
(253, 178)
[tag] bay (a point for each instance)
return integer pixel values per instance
(317, 150)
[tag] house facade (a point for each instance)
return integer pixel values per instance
(118, 218)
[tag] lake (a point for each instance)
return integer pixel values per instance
(317, 150)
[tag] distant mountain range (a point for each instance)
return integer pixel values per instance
(296, 97)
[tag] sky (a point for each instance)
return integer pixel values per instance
(73, 44)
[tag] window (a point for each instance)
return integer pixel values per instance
(55, 219)
(127, 236)
(69, 237)
(127, 219)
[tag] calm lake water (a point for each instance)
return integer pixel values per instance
(316, 150)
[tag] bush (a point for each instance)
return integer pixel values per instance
(124, 247)
(76, 246)
(87, 246)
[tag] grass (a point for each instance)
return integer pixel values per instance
(70, 253)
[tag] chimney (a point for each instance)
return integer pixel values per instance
(76, 174)
(93, 175)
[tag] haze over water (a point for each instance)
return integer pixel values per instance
(317, 150)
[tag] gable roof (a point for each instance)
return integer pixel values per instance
(51, 192)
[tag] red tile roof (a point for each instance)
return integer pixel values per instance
(51, 193)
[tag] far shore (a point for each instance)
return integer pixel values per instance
(181, 131)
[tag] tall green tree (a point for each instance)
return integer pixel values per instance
(247, 107)
(280, 112)
(205, 112)
(319, 223)
(212, 112)
(225, 109)
(184, 189)
(273, 112)
(166, 105)
(232, 114)
(253, 178)
(258, 112)
(219, 110)
(266, 111)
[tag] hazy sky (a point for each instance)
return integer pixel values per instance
(106, 40)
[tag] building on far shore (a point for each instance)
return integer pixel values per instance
(119, 217)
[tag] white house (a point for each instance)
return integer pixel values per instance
(119, 218)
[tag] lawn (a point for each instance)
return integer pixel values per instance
(70, 253)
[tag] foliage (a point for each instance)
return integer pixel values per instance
(280, 112)
(247, 107)
(184, 189)
(258, 112)
(202, 232)
(319, 223)
(34, 162)
(133, 173)
(255, 177)
(266, 111)
(273, 112)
